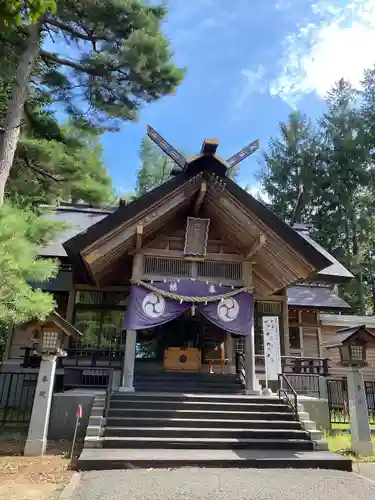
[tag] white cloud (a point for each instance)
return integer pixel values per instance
(254, 83)
(318, 55)
(283, 5)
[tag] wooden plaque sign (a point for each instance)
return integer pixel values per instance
(196, 237)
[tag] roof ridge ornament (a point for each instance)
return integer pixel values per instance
(168, 149)
(243, 153)
(208, 148)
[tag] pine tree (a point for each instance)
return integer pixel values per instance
(292, 169)
(22, 234)
(118, 60)
(155, 168)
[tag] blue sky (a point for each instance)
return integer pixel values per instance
(249, 63)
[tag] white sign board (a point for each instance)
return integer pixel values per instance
(271, 339)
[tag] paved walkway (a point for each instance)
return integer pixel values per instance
(214, 484)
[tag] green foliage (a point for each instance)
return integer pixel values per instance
(291, 164)
(22, 234)
(110, 58)
(118, 58)
(53, 162)
(333, 162)
(155, 168)
(70, 169)
(16, 12)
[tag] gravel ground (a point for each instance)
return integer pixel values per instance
(214, 484)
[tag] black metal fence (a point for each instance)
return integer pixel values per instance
(89, 378)
(17, 391)
(338, 401)
(305, 385)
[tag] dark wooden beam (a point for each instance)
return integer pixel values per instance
(200, 197)
(138, 244)
(258, 243)
(209, 146)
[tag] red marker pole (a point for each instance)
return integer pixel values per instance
(79, 414)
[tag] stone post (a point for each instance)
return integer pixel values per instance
(360, 427)
(36, 442)
(127, 382)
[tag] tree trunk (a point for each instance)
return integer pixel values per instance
(373, 291)
(12, 123)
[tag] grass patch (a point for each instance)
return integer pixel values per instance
(342, 443)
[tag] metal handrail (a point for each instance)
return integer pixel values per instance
(293, 404)
(240, 366)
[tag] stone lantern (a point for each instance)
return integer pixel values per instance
(352, 343)
(48, 339)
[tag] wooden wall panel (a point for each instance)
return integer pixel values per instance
(336, 370)
(21, 338)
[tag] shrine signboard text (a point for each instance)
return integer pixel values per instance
(196, 237)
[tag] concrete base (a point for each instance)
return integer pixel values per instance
(126, 389)
(35, 447)
(267, 392)
(252, 393)
(363, 448)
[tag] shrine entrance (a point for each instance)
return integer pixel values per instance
(192, 337)
(200, 243)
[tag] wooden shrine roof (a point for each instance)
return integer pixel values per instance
(315, 297)
(286, 258)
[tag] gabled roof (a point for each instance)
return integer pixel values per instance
(335, 272)
(347, 320)
(77, 217)
(124, 213)
(284, 259)
(60, 322)
(315, 296)
(344, 336)
(64, 325)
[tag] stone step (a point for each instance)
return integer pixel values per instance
(106, 459)
(199, 405)
(181, 376)
(201, 422)
(199, 413)
(204, 432)
(191, 397)
(189, 382)
(191, 389)
(197, 443)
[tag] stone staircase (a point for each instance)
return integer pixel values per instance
(201, 420)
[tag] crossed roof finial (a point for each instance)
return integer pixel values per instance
(209, 148)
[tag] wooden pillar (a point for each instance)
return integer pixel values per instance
(70, 313)
(285, 324)
(127, 382)
(71, 304)
(251, 383)
(229, 351)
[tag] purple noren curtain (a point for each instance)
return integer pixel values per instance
(147, 309)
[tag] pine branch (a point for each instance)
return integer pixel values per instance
(77, 34)
(39, 171)
(49, 56)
